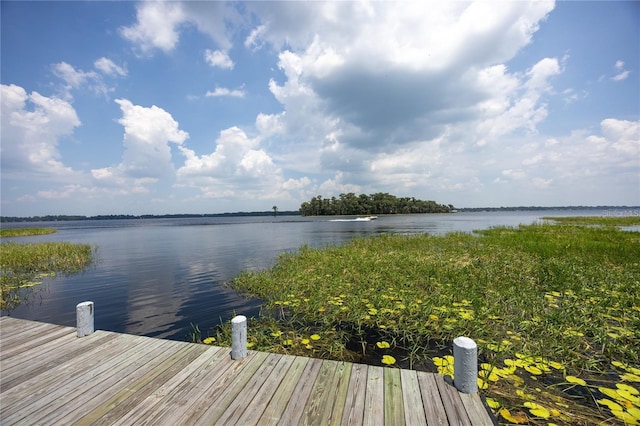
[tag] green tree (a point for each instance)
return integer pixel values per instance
(378, 203)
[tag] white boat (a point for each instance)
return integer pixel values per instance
(366, 218)
(357, 219)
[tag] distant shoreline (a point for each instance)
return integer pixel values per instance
(632, 210)
(534, 208)
(57, 218)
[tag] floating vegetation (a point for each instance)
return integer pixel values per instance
(596, 220)
(534, 403)
(388, 360)
(554, 309)
(25, 232)
(23, 266)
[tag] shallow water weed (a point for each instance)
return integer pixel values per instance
(24, 266)
(25, 232)
(543, 302)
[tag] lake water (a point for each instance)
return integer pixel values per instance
(155, 277)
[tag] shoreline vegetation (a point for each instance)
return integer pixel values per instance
(363, 204)
(25, 232)
(615, 211)
(554, 307)
(23, 266)
(59, 218)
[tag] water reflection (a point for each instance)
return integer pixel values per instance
(156, 277)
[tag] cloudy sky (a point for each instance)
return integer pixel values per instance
(208, 107)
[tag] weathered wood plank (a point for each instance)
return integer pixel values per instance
(431, 401)
(10, 358)
(236, 409)
(475, 409)
(14, 330)
(152, 381)
(36, 387)
(374, 397)
(34, 356)
(255, 408)
(137, 388)
(25, 341)
(188, 393)
(11, 328)
(60, 343)
(295, 409)
(354, 405)
(169, 394)
(341, 378)
(237, 381)
(413, 410)
(39, 362)
(81, 397)
(273, 412)
(219, 378)
(452, 403)
(393, 401)
(111, 378)
(57, 394)
(322, 399)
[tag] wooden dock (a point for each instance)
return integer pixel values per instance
(48, 375)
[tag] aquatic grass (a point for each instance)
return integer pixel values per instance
(25, 232)
(23, 266)
(543, 302)
(596, 220)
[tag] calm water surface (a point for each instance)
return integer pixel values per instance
(155, 277)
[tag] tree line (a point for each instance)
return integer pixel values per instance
(363, 204)
(59, 218)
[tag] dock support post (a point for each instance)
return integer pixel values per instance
(239, 337)
(84, 318)
(465, 365)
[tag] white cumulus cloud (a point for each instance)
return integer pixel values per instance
(622, 74)
(33, 126)
(223, 92)
(158, 23)
(156, 27)
(236, 167)
(218, 59)
(108, 67)
(147, 157)
(74, 78)
(77, 79)
(396, 99)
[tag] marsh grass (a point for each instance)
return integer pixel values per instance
(25, 232)
(543, 302)
(596, 220)
(23, 266)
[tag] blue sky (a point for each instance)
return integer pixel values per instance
(208, 107)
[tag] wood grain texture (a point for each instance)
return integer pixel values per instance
(431, 401)
(374, 397)
(476, 410)
(414, 412)
(354, 404)
(48, 375)
(452, 403)
(393, 399)
(282, 395)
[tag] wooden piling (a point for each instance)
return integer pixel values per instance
(84, 319)
(239, 337)
(465, 364)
